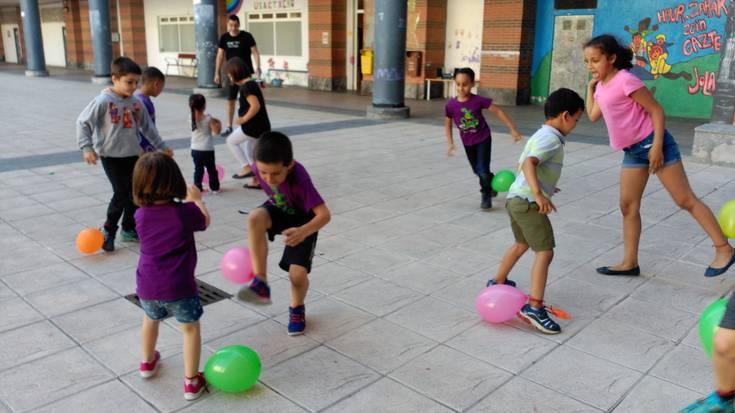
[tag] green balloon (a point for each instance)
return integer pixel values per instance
(710, 322)
(233, 368)
(503, 180)
(727, 218)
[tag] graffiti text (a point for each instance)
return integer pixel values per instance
(701, 9)
(696, 27)
(709, 40)
(704, 83)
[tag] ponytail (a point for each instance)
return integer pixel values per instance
(609, 46)
(196, 103)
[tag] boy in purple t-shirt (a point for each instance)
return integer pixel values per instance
(466, 112)
(295, 210)
(152, 83)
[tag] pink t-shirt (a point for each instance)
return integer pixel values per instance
(627, 122)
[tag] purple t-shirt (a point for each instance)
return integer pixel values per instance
(145, 144)
(468, 117)
(168, 254)
(296, 195)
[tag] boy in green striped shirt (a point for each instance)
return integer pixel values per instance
(529, 202)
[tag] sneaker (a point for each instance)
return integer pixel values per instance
(147, 370)
(109, 244)
(257, 292)
(710, 404)
(225, 133)
(296, 320)
(540, 319)
(507, 282)
(214, 193)
(486, 202)
(129, 236)
(193, 388)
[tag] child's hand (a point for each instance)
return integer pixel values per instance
(293, 236)
(193, 194)
(655, 159)
(544, 205)
(450, 149)
(593, 83)
(516, 135)
(169, 152)
(90, 157)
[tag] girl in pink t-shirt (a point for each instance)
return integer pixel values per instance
(635, 123)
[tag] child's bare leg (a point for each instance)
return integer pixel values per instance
(675, 181)
(723, 357)
(148, 338)
(632, 184)
(299, 284)
(511, 257)
(539, 273)
(259, 221)
(192, 348)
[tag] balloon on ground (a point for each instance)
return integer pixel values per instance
(233, 368)
(90, 240)
(499, 303)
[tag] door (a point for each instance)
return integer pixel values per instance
(567, 61)
(11, 56)
(18, 49)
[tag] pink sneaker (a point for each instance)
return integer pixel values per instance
(147, 370)
(193, 388)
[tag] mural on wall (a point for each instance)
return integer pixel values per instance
(464, 35)
(676, 49)
(233, 6)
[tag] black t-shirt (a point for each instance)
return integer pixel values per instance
(238, 46)
(260, 123)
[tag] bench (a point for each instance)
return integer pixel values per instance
(182, 61)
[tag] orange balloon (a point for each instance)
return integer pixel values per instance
(90, 240)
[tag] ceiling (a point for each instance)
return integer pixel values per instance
(17, 2)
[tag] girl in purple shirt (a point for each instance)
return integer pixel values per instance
(165, 276)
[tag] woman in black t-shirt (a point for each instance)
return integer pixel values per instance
(252, 117)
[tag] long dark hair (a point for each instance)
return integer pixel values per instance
(196, 102)
(609, 46)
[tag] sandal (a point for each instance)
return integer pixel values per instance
(247, 175)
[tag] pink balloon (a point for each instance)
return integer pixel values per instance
(499, 303)
(237, 266)
(220, 173)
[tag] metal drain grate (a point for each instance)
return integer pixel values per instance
(208, 294)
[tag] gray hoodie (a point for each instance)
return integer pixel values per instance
(116, 122)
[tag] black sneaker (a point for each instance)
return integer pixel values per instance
(109, 244)
(507, 282)
(540, 319)
(486, 202)
(225, 133)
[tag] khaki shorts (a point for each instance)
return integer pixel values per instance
(529, 226)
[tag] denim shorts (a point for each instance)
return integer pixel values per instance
(636, 155)
(186, 310)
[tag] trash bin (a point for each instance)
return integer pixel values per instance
(366, 61)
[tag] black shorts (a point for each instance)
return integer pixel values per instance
(301, 254)
(728, 320)
(232, 91)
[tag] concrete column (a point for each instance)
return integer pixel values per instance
(33, 41)
(389, 80)
(205, 21)
(99, 23)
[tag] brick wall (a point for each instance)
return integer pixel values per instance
(507, 48)
(132, 19)
(327, 68)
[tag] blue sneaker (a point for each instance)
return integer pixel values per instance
(710, 404)
(258, 292)
(129, 236)
(507, 282)
(296, 320)
(540, 319)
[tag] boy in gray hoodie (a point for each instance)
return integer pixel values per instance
(115, 117)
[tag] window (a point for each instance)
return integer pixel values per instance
(276, 34)
(176, 34)
(575, 4)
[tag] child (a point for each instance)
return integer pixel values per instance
(723, 357)
(529, 202)
(252, 118)
(635, 122)
(165, 277)
(116, 116)
(294, 209)
(202, 147)
(466, 111)
(152, 83)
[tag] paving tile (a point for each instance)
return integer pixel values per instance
(584, 377)
(422, 277)
(122, 281)
(107, 318)
(51, 378)
(381, 345)
(222, 318)
(451, 377)
(111, 397)
(52, 276)
(333, 277)
(514, 397)
(257, 399)
(28, 258)
(378, 297)
(387, 396)
(434, 319)
(374, 261)
(675, 295)
(688, 367)
(100, 264)
(31, 342)
(318, 378)
(16, 312)
(327, 318)
(654, 395)
(662, 321)
(581, 294)
(70, 297)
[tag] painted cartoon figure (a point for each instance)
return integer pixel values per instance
(136, 112)
(127, 118)
(114, 113)
(468, 121)
(639, 45)
(657, 54)
(281, 202)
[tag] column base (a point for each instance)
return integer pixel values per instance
(714, 143)
(387, 113)
(37, 73)
(213, 92)
(101, 80)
